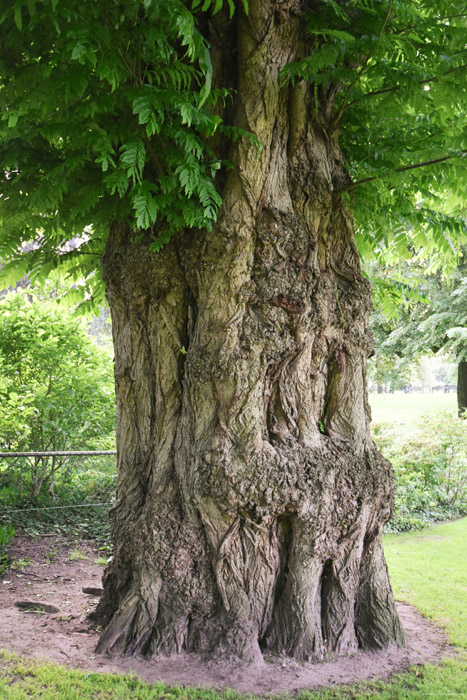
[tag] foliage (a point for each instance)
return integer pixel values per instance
(56, 389)
(6, 535)
(111, 114)
(436, 325)
(388, 370)
(441, 324)
(430, 469)
(84, 489)
(397, 70)
(105, 119)
(406, 102)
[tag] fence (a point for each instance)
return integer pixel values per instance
(60, 492)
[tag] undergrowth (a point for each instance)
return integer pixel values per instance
(77, 506)
(430, 468)
(6, 535)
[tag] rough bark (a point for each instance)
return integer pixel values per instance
(462, 387)
(250, 497)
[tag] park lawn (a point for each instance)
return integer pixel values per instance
(428, 569)
(406, 409)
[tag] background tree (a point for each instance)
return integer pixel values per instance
(438, 324)
(251, 498)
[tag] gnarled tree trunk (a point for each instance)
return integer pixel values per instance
(250, 496)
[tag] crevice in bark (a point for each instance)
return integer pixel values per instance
(325, 590)
(283, 541)
(462, 388)
(284, 537)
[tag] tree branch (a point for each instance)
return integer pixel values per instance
(396, 88)
(446, 18)
(403, 169)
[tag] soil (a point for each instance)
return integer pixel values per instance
(56, 576)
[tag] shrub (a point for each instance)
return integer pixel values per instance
(430, 469)
(6, 535)
(56, 390)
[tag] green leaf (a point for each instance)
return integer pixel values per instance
(333, 33)
(13, 120)
(133, 156)
(18, 17)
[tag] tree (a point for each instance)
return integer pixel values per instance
(439, 324)
(203, 149)
(55, 385)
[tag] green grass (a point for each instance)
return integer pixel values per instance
(76, 554)
(21, 680)
(428, 569)
(406, 409)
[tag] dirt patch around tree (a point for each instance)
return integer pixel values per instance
(51, 572)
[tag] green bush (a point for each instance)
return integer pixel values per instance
(430, 469)
(56, 394)
(56, 390)
(6, 535)
(78, 506)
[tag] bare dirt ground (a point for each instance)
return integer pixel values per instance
(56, 575)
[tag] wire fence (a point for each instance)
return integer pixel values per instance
(66, 492)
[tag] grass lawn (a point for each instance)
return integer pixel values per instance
(428, 569)
(406, 409)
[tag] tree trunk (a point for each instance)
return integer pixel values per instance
(462, 387)
(250, 498)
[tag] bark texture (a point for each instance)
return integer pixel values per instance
(462, 387)
(250, 496)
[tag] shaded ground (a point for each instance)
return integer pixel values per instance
(56, 575)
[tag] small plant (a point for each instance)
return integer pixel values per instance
(100, 561)
(51, 555)
(6, 535)
(21, 564)
(76, 554)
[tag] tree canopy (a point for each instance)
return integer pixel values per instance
(437, 324)
(112, 111)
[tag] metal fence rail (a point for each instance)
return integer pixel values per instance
(72, 453)
(65, 491)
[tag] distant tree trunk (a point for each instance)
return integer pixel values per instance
(462, 387)
(251, 498)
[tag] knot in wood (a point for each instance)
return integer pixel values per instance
(291, 305)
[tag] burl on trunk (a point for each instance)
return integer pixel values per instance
(250, 497)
